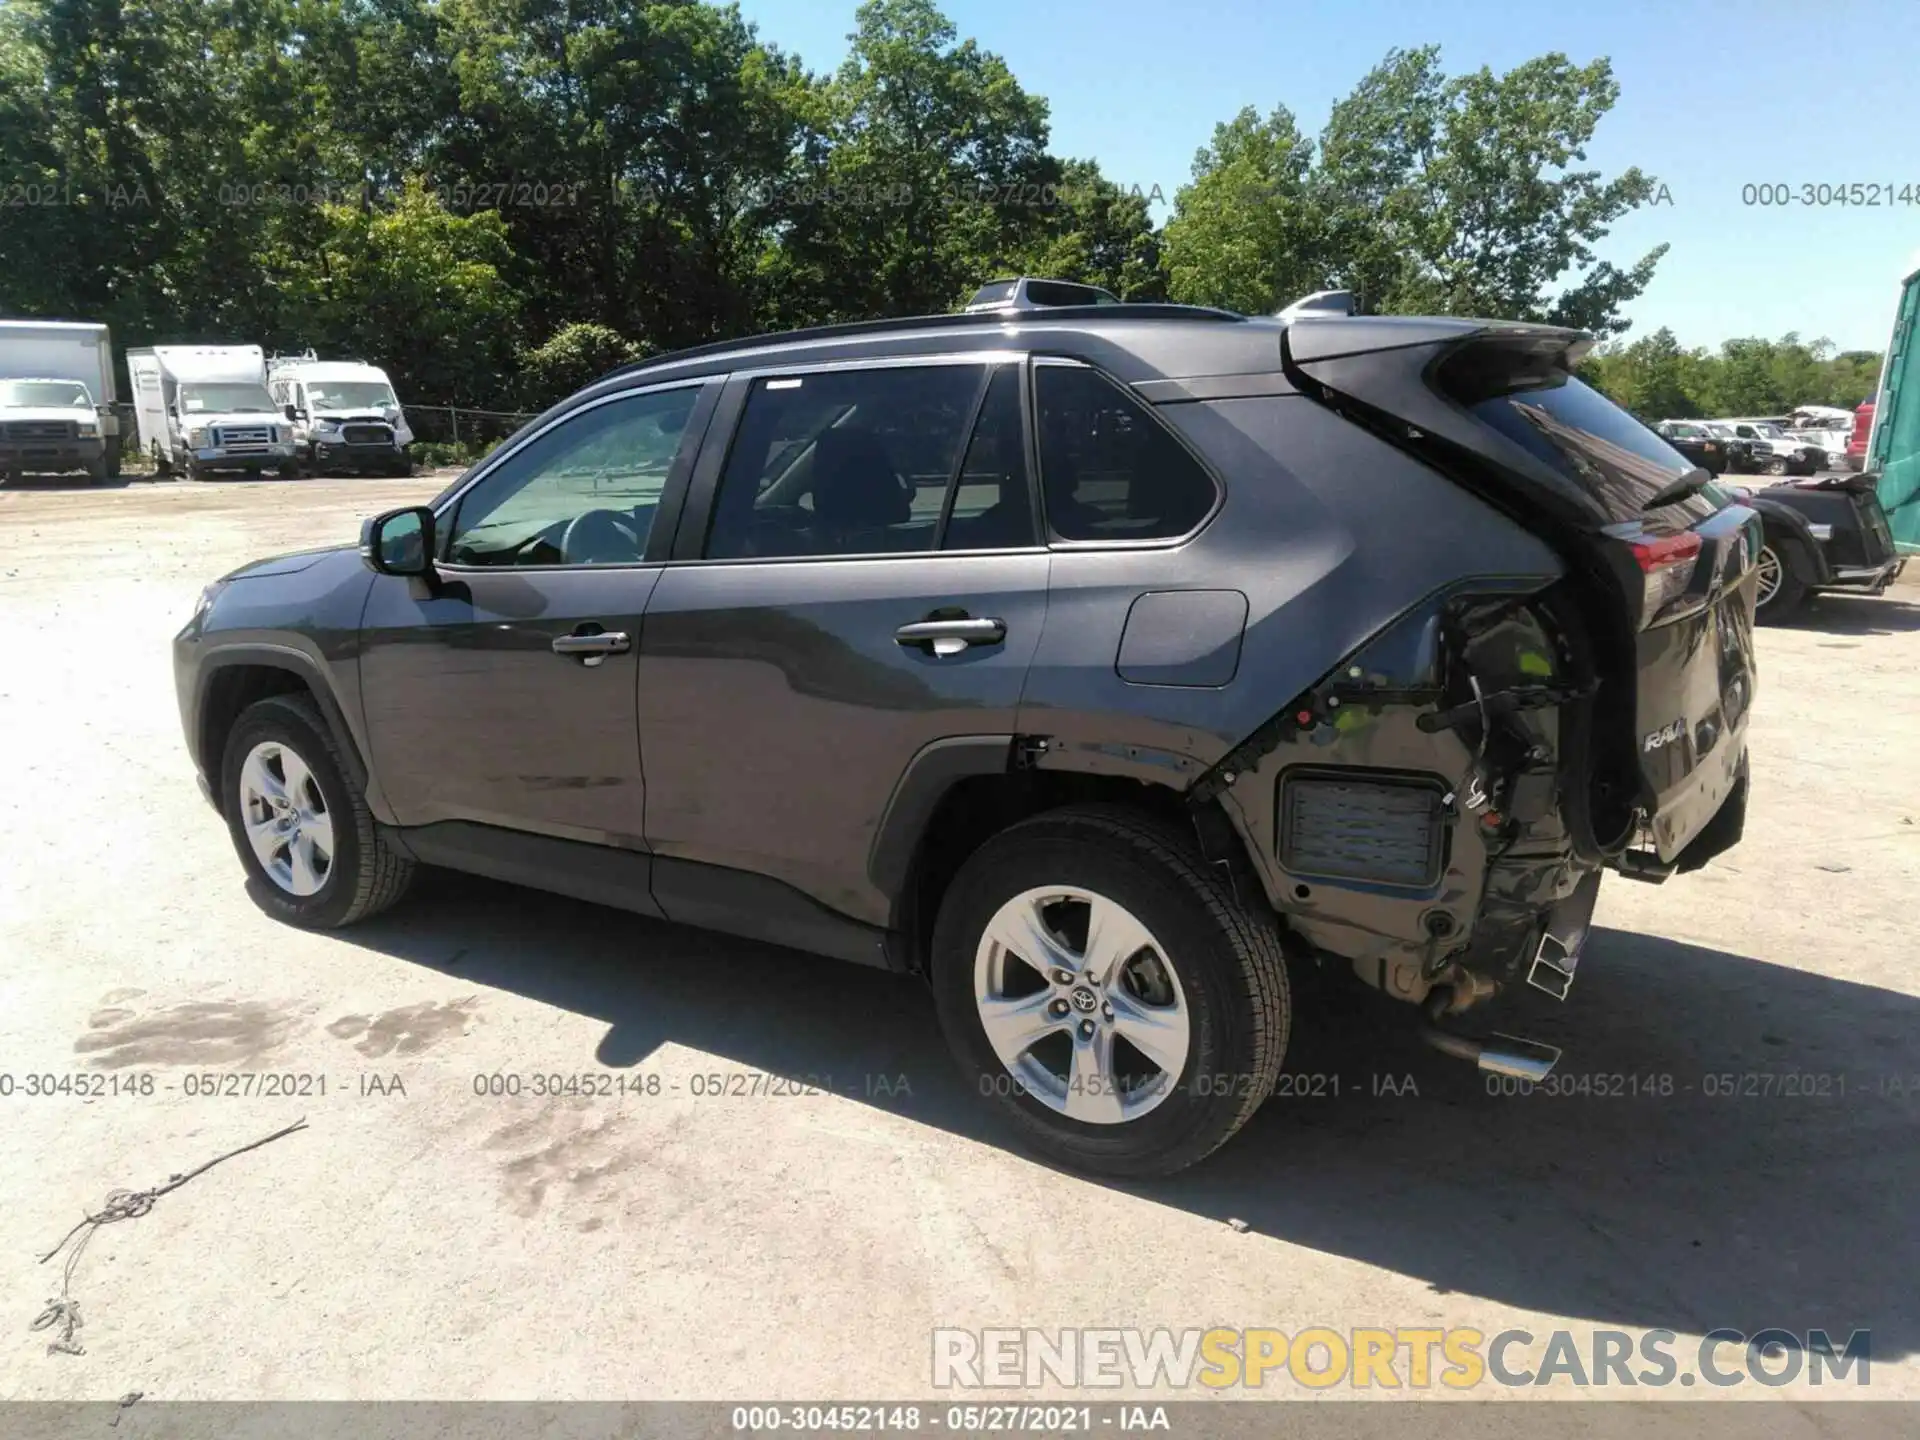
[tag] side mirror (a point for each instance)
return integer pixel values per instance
(292, 412)
(399, 542)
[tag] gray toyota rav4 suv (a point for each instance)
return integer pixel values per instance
(1097, 662)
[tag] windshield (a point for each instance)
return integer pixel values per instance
(20, 394)
(238, 398)
(350, 395)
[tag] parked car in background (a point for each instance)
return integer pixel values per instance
(1741, 459)
(1826, 426)
(46, 431)
(1694, 440)
(1776, 452)
(1096, 667)
(1862, 430)
(344, 414)
(1822, 533)
(204, 409)
(49, 427)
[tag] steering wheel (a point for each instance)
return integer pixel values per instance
(600, 537)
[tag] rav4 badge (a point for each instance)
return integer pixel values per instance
(1666, 735)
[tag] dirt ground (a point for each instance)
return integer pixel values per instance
(423, 1238)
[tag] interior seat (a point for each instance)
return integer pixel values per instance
(856, 494)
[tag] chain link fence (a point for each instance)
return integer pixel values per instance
(457, 425)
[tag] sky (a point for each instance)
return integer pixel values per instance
(1714, 98)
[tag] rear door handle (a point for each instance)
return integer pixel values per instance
(592, 648)
(950, 637)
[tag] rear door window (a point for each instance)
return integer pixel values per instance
(871, 462)
(1595, 443)
(1108, 469)
(992, 507)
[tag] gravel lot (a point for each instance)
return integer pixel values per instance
(440, 1243)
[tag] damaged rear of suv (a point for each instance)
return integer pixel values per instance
(1437, 809)
(1093, 661)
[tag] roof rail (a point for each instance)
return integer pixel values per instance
(851, 329)
(1320, 302)
(1028, 292)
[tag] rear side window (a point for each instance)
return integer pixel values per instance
(1592, 441)
(1108, 469)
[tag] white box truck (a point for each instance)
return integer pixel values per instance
(57, 399)
(344, 414)
(202, 409)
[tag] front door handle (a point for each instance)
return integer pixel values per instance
(592, 647)
(950, 637)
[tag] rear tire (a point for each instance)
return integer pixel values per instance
(1227, 989)
(283, 744)
(1782, 592)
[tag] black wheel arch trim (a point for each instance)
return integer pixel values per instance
(1783, 523)
(935, 769)
(313, 673)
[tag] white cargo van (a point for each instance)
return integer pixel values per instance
(57, 399)
(344, 413)
(205, 408)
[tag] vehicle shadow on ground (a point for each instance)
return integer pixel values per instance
(1857, 615)
(1745, 1155)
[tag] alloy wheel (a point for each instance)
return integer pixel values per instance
(1769, 575)
(1081, 1004)
(286, 818)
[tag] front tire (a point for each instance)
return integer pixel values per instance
(1776, 465)
(304, 834)
(1097, 981)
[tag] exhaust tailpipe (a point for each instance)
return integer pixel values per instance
(1509, 1055)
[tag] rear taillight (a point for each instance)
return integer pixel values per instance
(1666, 566)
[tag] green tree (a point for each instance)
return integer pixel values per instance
(1096, 232)
(1429, 194)
(573, 356)
(926, 173)
(1852, 377)
(1246, 233)
(1653, 377)
(633, 150)
(409, 286)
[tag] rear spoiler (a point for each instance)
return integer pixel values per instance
(1411, 381)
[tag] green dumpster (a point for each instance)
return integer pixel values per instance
(1894, 449)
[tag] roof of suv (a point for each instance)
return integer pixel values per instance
(1157, 328)
(1132, 342)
